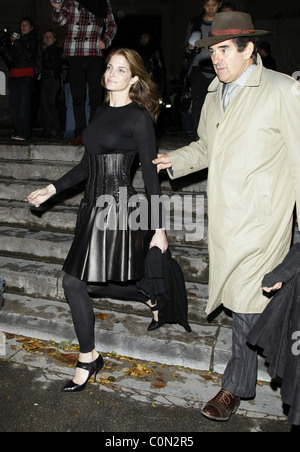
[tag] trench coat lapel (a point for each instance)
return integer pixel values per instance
(217, 87)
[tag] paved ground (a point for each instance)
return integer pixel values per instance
(130, 396)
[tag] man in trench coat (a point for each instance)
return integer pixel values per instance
(252, 150)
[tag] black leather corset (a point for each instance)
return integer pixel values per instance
(107, 173)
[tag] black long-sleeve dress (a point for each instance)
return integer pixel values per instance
(106, 246)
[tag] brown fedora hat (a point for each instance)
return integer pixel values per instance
(229, 25)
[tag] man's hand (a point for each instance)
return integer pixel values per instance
(271, 289)
(101, 45)
(162, 162)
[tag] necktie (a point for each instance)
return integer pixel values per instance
(228, 94)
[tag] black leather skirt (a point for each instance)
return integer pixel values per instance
(105, 248)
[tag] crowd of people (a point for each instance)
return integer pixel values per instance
(59, 85)
(244, 120)
(45, 67)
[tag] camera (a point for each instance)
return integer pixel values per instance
(5, 33)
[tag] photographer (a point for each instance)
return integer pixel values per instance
(200, 69)
(20, 54)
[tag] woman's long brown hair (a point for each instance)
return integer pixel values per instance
(144, 91)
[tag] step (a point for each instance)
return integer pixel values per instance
(186, 215)
(60, 152)
(41, 174)
(18, 189)
(53, 246)
(26, 170)
(49, 162)
(125, 334)
(41, 152)
(47, 235)
(60, 218)
(39, 279)
(42, 278)
(207, 347)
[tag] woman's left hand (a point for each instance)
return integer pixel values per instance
(160, 240)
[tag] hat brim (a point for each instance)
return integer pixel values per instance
(210, 41)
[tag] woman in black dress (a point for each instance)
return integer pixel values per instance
(107, 254)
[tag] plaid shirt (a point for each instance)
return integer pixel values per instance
(85, 30)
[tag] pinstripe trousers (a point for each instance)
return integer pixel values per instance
(240, 375)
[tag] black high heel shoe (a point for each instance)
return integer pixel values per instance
(92, 368)
(154, 325)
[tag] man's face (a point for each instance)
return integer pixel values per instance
(25, 27)
(145, 38)
(230, 64)
(212, 7)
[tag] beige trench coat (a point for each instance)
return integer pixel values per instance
(253, 155)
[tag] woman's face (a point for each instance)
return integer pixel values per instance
(25, 27)
(118, 76)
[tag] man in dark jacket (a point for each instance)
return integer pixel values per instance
(199, 65)
(20, 54)
(50, 67)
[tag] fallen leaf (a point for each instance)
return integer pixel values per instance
(206, 377)
(138, 370)
(101, 316)
(9, 336)
(159, 383)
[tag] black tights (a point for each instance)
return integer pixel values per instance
(77, 293)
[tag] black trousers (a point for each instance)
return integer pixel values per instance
(20, 101)
(77, 293)
(48, 106)
(240, 375)
(199, 84)
(82, 70)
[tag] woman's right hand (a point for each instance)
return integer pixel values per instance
(37, 197)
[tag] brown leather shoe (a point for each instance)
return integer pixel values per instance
(77, 141)
(222, 406)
